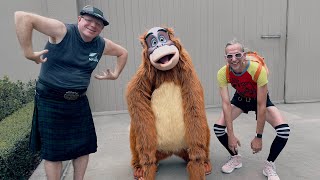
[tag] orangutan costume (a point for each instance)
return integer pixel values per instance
(166, 106)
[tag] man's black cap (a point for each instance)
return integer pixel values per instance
(95, 12)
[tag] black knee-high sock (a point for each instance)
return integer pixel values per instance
(222, 136)
(283, 131)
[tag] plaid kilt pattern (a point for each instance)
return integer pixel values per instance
(62, 130)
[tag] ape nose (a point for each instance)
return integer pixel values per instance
(160, 44)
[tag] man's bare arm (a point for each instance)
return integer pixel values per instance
(226, 108)
(113, 49)
(233, 141)
(261, 108)
(25, 23)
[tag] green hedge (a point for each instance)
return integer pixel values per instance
(16, 161)
(14, 95)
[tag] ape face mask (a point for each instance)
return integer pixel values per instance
(162, 52)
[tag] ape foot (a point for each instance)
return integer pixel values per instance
(137, 173)
(207, 168)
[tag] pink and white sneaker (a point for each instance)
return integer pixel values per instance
(234, 162)
(270, 171)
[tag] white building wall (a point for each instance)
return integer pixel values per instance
(203, 26)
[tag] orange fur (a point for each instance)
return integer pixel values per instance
(143, 134)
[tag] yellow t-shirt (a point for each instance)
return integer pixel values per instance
(244, 82)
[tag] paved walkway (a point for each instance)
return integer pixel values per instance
(298, 161)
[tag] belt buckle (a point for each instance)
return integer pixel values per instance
(71, 96)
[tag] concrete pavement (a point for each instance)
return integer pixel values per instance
(299, 160)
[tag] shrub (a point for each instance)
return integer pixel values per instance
(16, 161)
(14, 95)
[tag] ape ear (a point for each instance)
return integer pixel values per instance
(174, 39)
(142, 41)
(170, 32)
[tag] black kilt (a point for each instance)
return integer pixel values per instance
(62, 129)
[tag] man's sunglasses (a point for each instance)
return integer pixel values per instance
(237, 55)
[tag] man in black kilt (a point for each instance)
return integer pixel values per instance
(62, 126)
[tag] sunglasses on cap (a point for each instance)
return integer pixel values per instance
(236, 55)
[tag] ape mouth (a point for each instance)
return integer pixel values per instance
(165, 59)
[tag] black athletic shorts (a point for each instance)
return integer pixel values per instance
(248, 104)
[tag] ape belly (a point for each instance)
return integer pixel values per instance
(166, 103)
